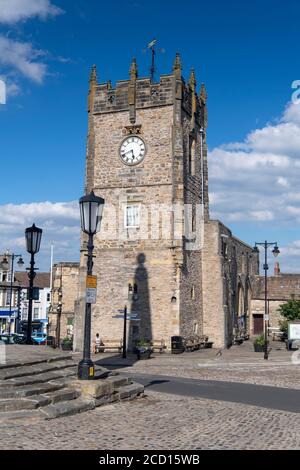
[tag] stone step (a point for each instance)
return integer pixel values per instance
(29, 390)
(39, 378)
(67, 408)
(131, 391)
(37, 401)
(19, 417)
(66, 394)
(118, 381)
(31, 362)
(101, 373)
(44, 367)
(17, 404)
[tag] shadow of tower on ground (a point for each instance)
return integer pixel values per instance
(140, 329)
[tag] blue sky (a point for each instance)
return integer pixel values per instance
(245, 52)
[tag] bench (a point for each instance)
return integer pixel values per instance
(158, 345)
(194, 343)
(110, 345)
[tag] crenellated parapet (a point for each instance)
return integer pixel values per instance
(139, 93)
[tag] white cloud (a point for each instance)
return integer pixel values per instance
(60, 224)
(13, 11)
(22, 57)
(249, 180)
(283, 182)
(289, 257)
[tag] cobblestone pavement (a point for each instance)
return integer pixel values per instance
(239, 364)
(161, 421)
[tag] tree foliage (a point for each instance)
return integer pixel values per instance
(290, 310)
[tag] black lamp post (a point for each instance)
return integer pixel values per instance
(275, 252)
(33, 236)
(91, 209)
(5, 264)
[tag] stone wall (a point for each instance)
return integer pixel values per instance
(184, 282)
(281, 288)
(258, 308)
(65, 291)
(228, 266)
(165, 271)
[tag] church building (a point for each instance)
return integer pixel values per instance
(158, 252)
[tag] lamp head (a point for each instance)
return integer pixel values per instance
(33, 236)
(276, 251)
(91, 209)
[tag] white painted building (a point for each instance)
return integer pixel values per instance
(9, 294)
(41, 304)
(14, 300)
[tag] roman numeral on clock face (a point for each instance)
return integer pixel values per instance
(132, 150)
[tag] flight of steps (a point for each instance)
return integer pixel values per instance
(49, 389)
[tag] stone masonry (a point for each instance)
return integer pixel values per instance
(167, 270)
(65, 289)
(282, 287)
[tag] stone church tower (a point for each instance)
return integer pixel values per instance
(147, 157)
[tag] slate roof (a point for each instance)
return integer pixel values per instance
(42, 280)
(280, 287)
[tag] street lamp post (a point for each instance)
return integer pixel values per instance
(275, 252)
(5, 263)
(33, 236)
(91, 209)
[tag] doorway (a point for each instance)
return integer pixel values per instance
(258, 324)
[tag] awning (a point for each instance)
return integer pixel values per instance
(7, 313)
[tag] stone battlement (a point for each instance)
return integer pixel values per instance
(147, 95)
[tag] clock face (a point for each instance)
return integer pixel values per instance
(132, 150)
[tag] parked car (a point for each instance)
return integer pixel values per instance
(39, 338)
(19, 339)
(7, 339)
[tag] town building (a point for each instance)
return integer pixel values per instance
(41, 302)
(14, 299)
(10, 295)
(158, 251)
(65, 291)
(281, 288)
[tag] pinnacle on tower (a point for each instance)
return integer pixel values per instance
(177, 63)
(133, 70)
(203, 94)
(192, 80)
(93, 74)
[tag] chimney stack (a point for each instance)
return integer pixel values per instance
(276, 269)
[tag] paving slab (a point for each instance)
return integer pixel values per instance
(22, 355)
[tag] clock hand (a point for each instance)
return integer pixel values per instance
(126, 153)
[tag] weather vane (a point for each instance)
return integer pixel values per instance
(151, 46)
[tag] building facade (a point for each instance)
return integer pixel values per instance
(65, 286)
(158, 252)
(282, 287)
(14, 300)
(10, 294)
(41, 302)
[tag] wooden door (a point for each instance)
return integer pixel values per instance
(258, 324)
